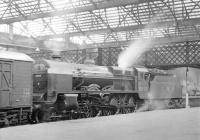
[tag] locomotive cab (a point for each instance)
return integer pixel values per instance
(40, 82)
(142, 77)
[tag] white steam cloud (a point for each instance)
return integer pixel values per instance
(55, 46)
(144, 42)
(153, 104)
(129, 56)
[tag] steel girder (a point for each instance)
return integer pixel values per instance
(76, 6)
(102, 21)
(183, 54)
(165, 56)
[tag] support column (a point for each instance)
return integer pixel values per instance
(187, 104)
(10, 35)
(11, 31)
(67, 41)
(99, 57)
(83, 56)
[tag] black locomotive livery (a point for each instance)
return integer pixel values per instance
(46, 90)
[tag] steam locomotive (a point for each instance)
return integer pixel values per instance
(45, 90)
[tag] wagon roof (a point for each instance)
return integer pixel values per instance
(14, 56)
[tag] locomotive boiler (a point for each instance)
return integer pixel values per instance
(65, 90)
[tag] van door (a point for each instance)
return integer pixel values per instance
(5, 83)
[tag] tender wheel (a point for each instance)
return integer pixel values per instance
(170, 104)
(131, 103)
(123, 103)
(179, 103)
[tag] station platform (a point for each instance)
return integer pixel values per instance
(174, 124)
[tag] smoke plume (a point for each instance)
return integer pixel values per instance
(144, 42)
(130, 55)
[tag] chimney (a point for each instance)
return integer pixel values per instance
(56, 57)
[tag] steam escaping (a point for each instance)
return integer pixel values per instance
(144, 42)
(153, 104)
(128, 57)
(55, 46)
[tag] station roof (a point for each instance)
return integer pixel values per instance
(97, 23)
